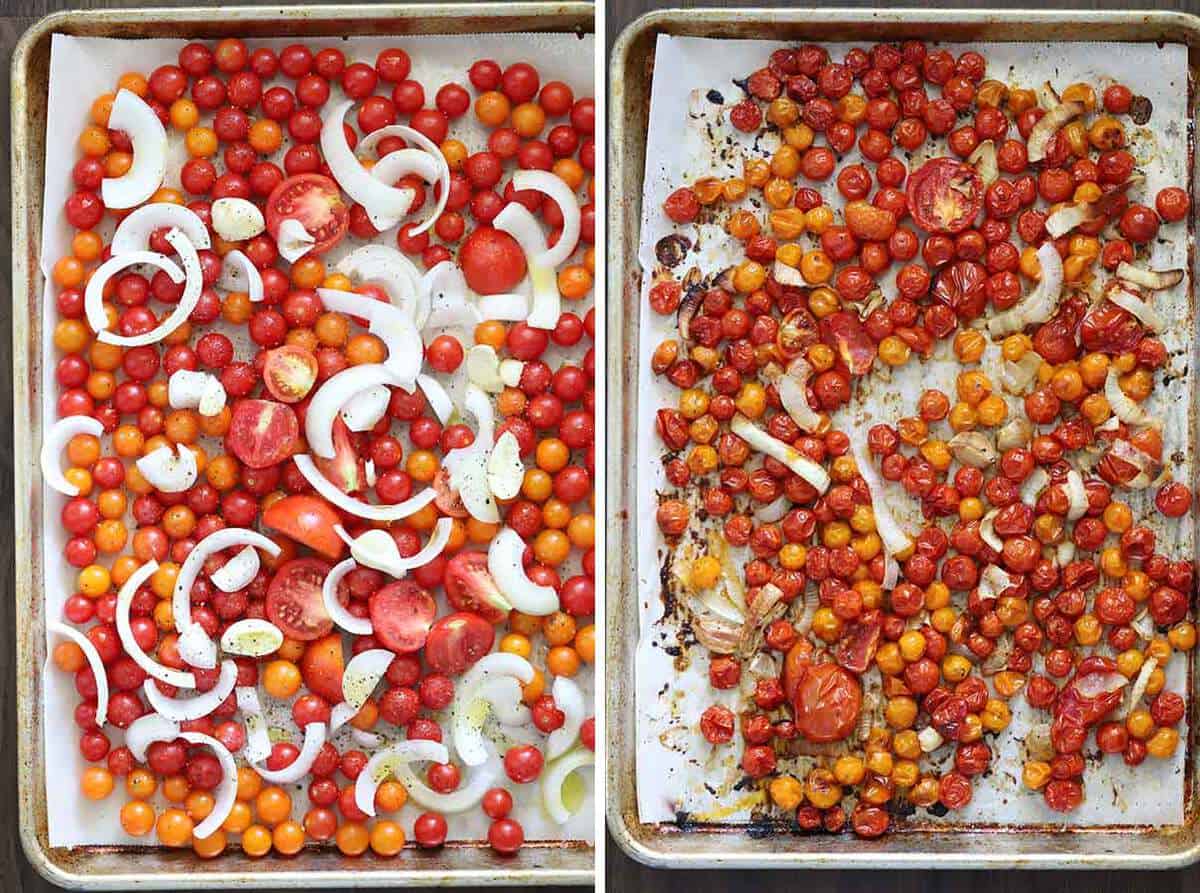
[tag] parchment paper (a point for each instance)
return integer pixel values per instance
(81, 69)
(678, 771)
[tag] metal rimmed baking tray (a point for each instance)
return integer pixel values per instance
(667, 845)
(122, 868)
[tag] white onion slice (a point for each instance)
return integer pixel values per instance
(800, 464)
(178, 678)
(1141, 310)
(793, 394)
(197, 647)
(445, 288)
(388, 762)
(251, 637)
(466, 718)
(895, 540)
(483, 368)
(1155, 280)
(359, 626)
(987, 531)
(55, 441)
(187, 389)
(506, 567)
(469, 476)
(362, 674)
(314, 740)
(364, 410)
(1141, 683)
(226, 793)
(511, 371)
(556, 189)
(785, 274)
(357, 507)
(505, 470)
(1077, 496)
(94, 662)
(334, 394)
(181, 599)
(1033, 486)
(340, 715)
(891, 572)
(519, 222)
(391, 324)
(403, 163)
(930, 739)
(433, 151)
(504, 307)
(145, 730)
(1048, 125)
(1041, 303)
(479, 405)
(197, 706)
(148, 139)
(238, 572)
(134, 231)
(369, 472)
(437, 397)
(293, 240)
(368, 740)
(1125, 407)
(238, 273)
(773, 511)
(386, 267)
(568, 697)
(93, 294)
(555, 776)
(377, 549)
(236, 219)
(506, 698)
(169, 470)
(258, 740)
(1069, 216)
(383, 203)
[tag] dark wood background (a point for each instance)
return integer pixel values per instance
(626, 876)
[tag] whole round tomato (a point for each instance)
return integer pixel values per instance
(826, 703)
(294, 602)
(945, 195)
(322, 667)
(316, 202)
(491, 261)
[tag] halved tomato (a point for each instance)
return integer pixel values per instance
(262, 433)
(402, 613)
(945, 195)
(491, 261)
(289, 373)
(316, 202)
(308, 520)
(446, 498)
(457, 641)
(797, 333)
(294, 602)
(470, 587)
(322, 666)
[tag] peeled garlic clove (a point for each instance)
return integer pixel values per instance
(510, 372)
(236, 220)
(973, 448)
(483, 368)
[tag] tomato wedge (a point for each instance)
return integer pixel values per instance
(294, 602)
(469, 587)
(322, 666)
(346, 468)
(262, 433)
(457, 641)
(945, 195)
(402, 613)
(316, 202)
(309, 520)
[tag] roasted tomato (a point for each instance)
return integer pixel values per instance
(797, 332)
(860, 642)
(844, 332)
(1097, 689)
(1055, 339)
(945, 195)
(826, 703)
(316, 202)
(963, 287)
(1110, 329)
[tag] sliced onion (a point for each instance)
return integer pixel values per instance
(258, 740)
(197, 706)
(511, 371)
(1016, 432)
(773, 511)
(134, 231)
(390, 324)
(357, 507)
(94, 662)
(1124, 407)
(314, 740)
(1048, 125)
(1141, 683)
(505, 696)
(340, 715)
(377, 549)
(483, 368)
(891, 573)
(793, 394)
(359, 626)
(369, 472)
(1034, 485)
(148, 138)
(467, 714)
(384, 204)
(181, 599)
(1141, 310)
(55, 441)
(1040, 305)
(555, 776)
(169, 470)
(445, 287)
(93, 294)
(568, 697)
(895, 540)
(505, 470)
(236, 219)
(403, 163)
(368, 740)
(334, 394)
(238, 572)
(387, 762)
(1077, 496)
(386, 267)
(983, 159)
(188, 389)
(251, 638)
(138, 579)
(785, 274)
(365, 409)
(478, 782)
(556, 189)
(930, 739)
(519, 222)
(437, 397)
(505, 564)
(432, 150)
(293, 240)
(226, 793)
(197, 648)
(1155, 280)
(238, 273)
(1142, 461)
(797, 462)
(469, 476)
(1069, 216)
(193, 283)
(987, 531)
(145, 730)
(993, 581)
(504, 307)
(1016, 378)
(362, 674)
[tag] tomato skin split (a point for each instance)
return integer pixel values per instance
(945, 196)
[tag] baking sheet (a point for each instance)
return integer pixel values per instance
(80, 69)
(678, 772)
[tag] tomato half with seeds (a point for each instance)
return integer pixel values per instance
(262, 433)
(401, 614)
(945, 195)
(289, 373)
(827, 703)
(309, 520)
(294, 602)
(797, 333)
(469, 587)
(316, 202)
(457, 641)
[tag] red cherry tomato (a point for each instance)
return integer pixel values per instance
(491, 261)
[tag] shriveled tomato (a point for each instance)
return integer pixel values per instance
(1110, 328)
(827, 703)
(963, 287)
(945, 195)
(457, 641)
(470, 587)
(1097, 689)
(491, 261)
(294, 602)
(322, 665)
(290, 373)
(860, 642)
(794, 664)
(262, 433)
(797, 332)
(346, 468)
(402, 613)
(844, 332)
(1055, 340)
(309, 520)
(316, 202)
